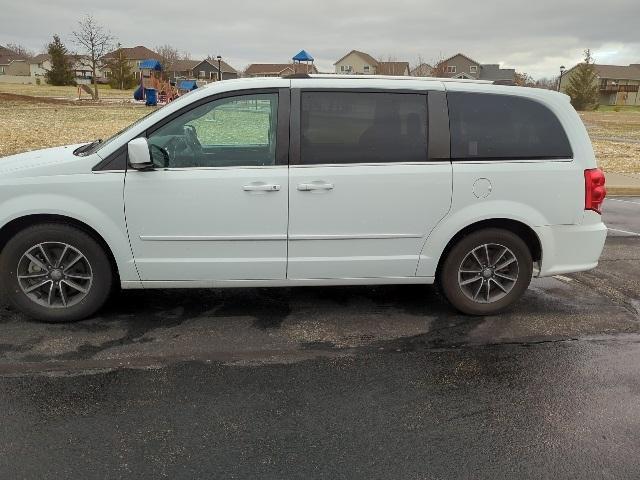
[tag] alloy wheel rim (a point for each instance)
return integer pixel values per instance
(54, 275)
(488, 273)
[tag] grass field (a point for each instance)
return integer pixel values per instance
(616, 139)
(30, 123)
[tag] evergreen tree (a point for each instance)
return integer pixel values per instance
(121, 75)
(583, 84)
(60, 73)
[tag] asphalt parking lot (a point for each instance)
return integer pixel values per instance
(341, 382)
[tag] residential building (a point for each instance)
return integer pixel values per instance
(393, 68)
(462, 66)
(13, 64)
(134, 55)
(617, 84)
(207, 70)
(422, 70)
(278, 69)
(80, 65)
(182, 69)
(360, 63)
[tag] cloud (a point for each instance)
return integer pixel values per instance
(533, 36)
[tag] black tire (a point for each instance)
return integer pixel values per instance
(461, 297)
(98, 288)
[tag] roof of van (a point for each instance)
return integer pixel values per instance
(379, 81)
(397, 77)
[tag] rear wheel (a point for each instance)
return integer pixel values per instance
(486, 271)
(55, 273)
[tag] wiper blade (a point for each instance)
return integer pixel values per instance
(85, 148)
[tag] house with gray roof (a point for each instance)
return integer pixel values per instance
(617, 84)
(462, 66)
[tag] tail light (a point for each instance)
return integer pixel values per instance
(594, 189)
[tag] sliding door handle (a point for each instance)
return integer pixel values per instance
(308, 187)
(261, 187)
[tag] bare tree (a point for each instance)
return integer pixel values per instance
(387, 58)
(94, 41)
(168, 56)
(185, 56)
(21, 50)
(523, 79)
(420, 68)
(549, 83)
(439, 68)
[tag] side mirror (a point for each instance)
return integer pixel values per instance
(139, 155)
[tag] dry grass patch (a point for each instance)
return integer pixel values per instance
(32, 124)
(616, 139)
(45, 90)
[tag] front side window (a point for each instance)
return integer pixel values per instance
(451, 69)
(504, 127)
(233, 131)
(363, 127)
(473, 69)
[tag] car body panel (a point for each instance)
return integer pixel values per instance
(384, 223)
(199, 224)
(372, 223)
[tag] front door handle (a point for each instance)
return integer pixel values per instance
(261, 187)
(307, 187)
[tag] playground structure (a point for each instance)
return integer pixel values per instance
(302, 62)
(153, 87)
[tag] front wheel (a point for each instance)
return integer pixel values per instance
(55, 273)
(486, 271)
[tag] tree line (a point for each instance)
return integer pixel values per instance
(93, 42)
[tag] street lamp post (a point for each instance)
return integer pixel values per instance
(219, 58)
(560, 79)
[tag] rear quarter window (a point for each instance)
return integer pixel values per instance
(504, 127)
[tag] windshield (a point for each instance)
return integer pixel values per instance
(96, 145)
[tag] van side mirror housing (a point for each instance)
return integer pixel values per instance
(139, 154)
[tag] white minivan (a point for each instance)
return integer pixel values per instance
(309, 180)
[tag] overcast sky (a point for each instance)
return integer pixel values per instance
(536, 36)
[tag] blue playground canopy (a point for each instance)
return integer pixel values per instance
(151, 65)
(303, 56)
(187, 85)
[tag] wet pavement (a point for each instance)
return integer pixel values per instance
(340, 382)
